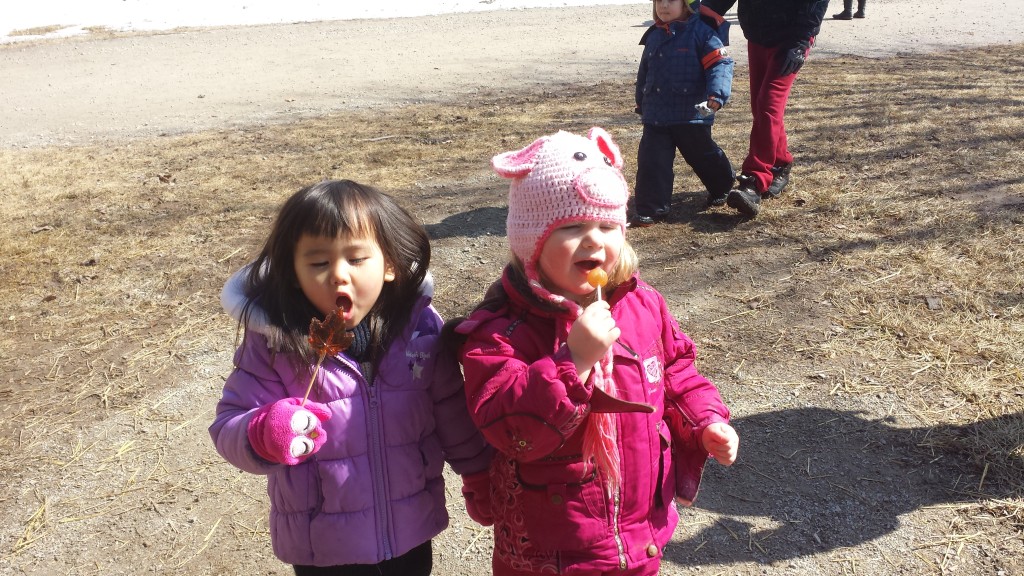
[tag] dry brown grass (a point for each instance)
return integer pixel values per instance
(36, 31)
(904, 222)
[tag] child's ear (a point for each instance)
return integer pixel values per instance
(389, 273)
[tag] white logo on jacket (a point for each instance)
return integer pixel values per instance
(652, 368)
(416, 362)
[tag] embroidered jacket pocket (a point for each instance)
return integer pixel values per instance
(563, 515)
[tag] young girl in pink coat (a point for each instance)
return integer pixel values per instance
(590, 396)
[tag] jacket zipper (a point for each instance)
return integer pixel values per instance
(616, 506)
(628, 349)
(381, 503)
(615, 528)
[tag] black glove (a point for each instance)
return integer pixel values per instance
(793, 58)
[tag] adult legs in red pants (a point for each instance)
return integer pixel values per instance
(769, 93)
(765, 170)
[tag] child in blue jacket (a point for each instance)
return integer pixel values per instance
(685, 76)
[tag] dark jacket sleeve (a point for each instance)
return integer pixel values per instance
(719, 69)
(811, 19)
(641, 74)
(719, 6)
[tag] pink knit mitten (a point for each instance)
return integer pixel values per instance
(286, 432)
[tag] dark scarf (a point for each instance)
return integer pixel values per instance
(361, 342)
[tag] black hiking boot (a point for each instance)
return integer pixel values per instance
(844, 15)
(642, 221)
(858, 14)
(744, 197)
(780, 178)
(716, 199)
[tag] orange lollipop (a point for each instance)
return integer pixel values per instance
(597, 278)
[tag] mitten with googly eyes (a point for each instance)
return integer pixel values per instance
(288, 432)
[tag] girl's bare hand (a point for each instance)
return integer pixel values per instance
(722, 442)
(591, 336)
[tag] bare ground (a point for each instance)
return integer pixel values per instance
(865, 329)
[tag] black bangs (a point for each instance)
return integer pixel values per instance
(331, 209)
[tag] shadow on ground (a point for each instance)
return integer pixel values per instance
(849, 483)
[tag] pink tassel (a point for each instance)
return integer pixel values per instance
(599, 438)
(600, 441)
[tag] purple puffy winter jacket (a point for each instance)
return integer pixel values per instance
(375, 489)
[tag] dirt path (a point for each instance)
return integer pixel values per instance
(75, 91)
(139, 488)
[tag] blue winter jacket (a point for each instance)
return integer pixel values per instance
(375, 489)
(683, 63)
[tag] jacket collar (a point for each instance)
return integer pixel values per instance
(667, 26)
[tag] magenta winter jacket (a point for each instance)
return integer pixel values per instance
(551, 512)
(374, 490)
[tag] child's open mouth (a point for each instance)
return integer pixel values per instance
(344, 303)
(588, 265)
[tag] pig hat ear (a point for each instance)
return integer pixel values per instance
(606, 145)
(517, 163)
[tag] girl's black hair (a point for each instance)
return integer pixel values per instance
(332, 208)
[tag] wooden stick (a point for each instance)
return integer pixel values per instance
(313, 379)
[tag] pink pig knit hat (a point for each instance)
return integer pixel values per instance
(557, 179)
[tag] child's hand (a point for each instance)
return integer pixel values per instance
(476, 489)
(722, 442)
(590, 337)
(288, 432)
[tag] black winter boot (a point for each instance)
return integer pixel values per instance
(780, 178)
(847, 8)
(744, 197)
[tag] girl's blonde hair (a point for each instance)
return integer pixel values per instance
(687, 9)
(627, 265)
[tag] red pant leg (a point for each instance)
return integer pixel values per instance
(769, 93)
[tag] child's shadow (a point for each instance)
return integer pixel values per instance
(482, 221)
(691, 209)
(828, 479)
(687, 208)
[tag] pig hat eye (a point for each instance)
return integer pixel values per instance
(581, 156)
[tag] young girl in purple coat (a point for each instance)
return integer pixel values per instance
(354, 473)
(590, 395)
